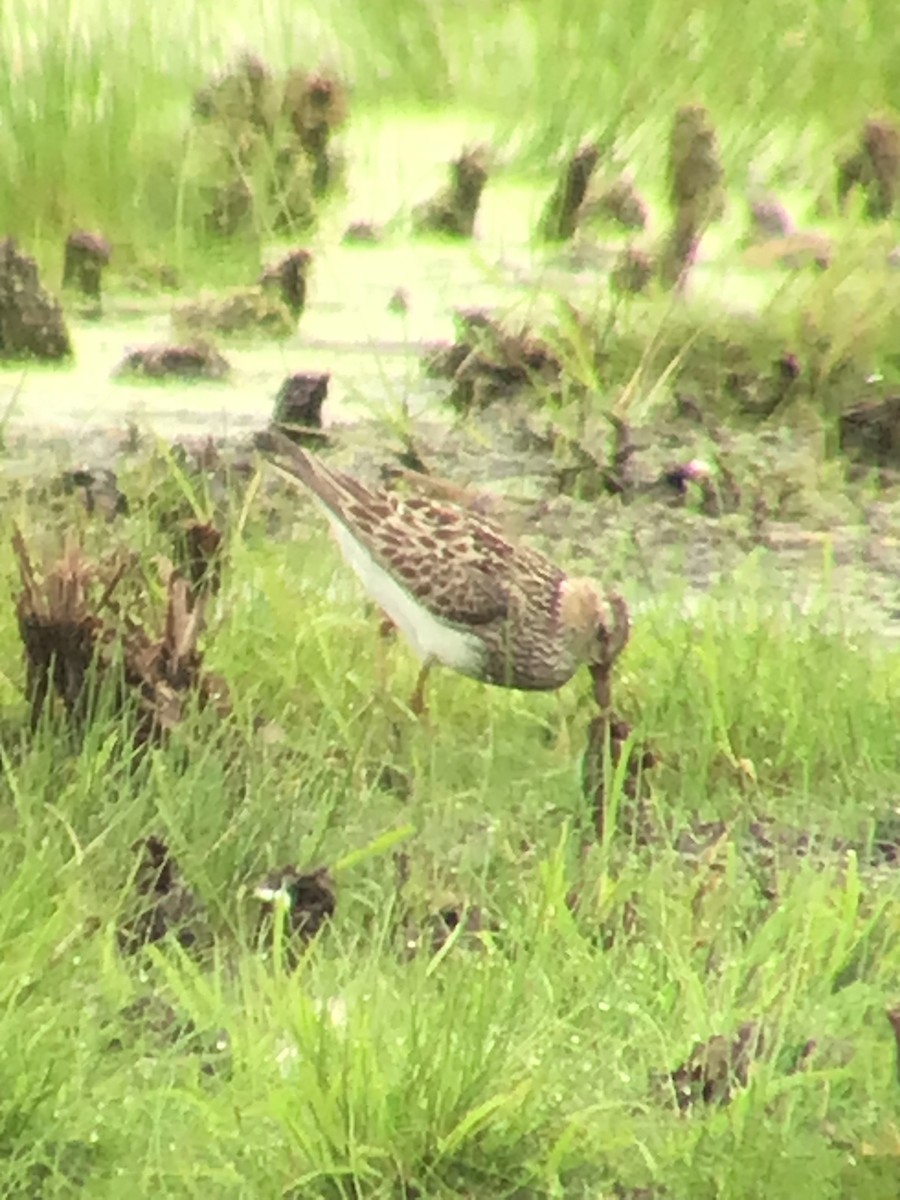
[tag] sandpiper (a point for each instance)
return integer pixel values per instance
(460, 592)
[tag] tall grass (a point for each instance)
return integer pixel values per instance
(95, 97)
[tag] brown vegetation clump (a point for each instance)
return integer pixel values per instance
(86, 256)
(288, 279)
(76, 636)
(678, 254)
(870, 431)
(247, 311)
(198, 360)
(229, 205)
(429, 928)
(695, 188)
(399, 302)
(588, 474)
(632, 272)
(308, 901)
(31, 320)
(164, 902)
(270, 309)
(768, 219)
(488, 362)
(618, 203)
(268, 152)
(453, 210)
(875, 167)
(362, 233)
(694, 171)
(244, 95)
(298, 407)
(315, 106)
(199, 556)
(98, 490)
(581, 472)
(718, 1068)
(466, 924)
(560, 216)
(290, 203)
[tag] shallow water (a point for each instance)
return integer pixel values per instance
(347, 329)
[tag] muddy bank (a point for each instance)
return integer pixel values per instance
(770, 501)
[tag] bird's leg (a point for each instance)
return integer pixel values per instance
(386, 631)
(417, 701)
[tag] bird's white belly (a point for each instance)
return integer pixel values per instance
(429, 637)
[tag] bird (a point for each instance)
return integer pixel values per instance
(460, 592)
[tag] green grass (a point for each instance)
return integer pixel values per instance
(527, 1065)
(529, 1060)
(95, 124)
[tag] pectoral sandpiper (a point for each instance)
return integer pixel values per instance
(459, 591)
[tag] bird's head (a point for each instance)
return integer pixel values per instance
(596, 620)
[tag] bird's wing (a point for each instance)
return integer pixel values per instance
(454, 562)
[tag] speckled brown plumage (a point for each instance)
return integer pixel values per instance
(519, 620)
